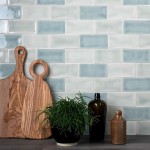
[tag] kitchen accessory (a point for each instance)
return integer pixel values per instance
(12, 92)
(118, 129)
(38, 97)
(99, 110)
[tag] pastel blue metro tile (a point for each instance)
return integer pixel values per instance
(9, 41)
(136, 84)
(56, 84)
(94, 41)
(138, 27)
(136, 2)
(93, 12)
(47, 27)
(137, 113)
(93, 70)
(10, 12)
(6, 70)
(137, 56)
(51, 55)
(51, 2)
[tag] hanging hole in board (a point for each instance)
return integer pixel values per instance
(38, 69)
(20, 52)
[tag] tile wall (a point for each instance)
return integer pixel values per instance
(90, 46)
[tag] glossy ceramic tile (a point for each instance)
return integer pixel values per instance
(3, 26)
(108, 2)
(51, 55)
(137, 27)
(56, 84)
(121, 99)
(143, 12)
(6, 70)
(136, 84)
(93, 13)
(51, 27)
(3, 55)
(93, 70)
(137, 113)
(143, 99)
(18, 2)
(136, 56)
(65, 12)
(59, 70)
(121, 70)
(108, 56)
(51, 2)
(21, 26)
(108, 84)
(10, 12)
(10, 41)
(93, 41)
(79, 56)
(136, 2)
(143, 70)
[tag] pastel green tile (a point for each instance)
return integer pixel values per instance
(18, 2)
(144, 41)
(131, 128)
(137, 113)
(10, 12)
(9, 41)
(143, 12)
(56, 84)
(51, 27)
(143, 127)
(136, 55)
(51, 2)
(93, 41)
(31, 55)
(21, 26)
(6, 70)
(136, 27)
(143, 99)
(93, 70)
(3, 55)
(108, 2)
(93, 12)
(121, 99)
(108, 84)
(3, 26)
(51, 55)
(143, 70)
(136, 84)
(136, 2)
(108, 56)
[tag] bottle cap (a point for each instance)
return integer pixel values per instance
(97, 95)
(118, 112)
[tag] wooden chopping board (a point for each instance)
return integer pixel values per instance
(38, 97)
(12, 92)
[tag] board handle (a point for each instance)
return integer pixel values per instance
(36, 62)
(20, 54)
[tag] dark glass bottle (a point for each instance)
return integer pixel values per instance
(99, 109)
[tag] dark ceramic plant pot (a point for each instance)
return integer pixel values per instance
(65, 139)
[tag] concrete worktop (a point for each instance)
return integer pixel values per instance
(133, 142)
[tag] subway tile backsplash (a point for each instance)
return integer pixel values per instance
(90, 46)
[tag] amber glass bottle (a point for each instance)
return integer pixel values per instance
(99, 109)
(118, 129)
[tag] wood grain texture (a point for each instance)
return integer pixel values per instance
(12, 92)
(38, 97)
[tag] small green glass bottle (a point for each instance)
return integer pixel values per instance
(99, 108)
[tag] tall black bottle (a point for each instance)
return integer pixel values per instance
(99, 108)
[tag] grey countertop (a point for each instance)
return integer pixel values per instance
(133, 143)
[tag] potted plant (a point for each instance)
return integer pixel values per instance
(68, 118)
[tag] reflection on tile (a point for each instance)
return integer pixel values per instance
(10, 12)
(3, 55)
(10, 41)
(3, 26)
